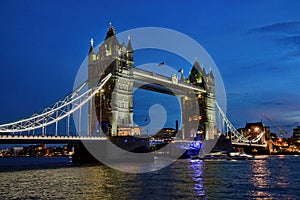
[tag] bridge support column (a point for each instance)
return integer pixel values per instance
(112, 150)
(82, 155)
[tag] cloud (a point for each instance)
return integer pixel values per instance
(272, 68)
(240, 94)
(293, 54)
(293, 114)
(292, 125)
(284, 35)
(290, 41)
(261, 66)
(282, 27)
(271, 103)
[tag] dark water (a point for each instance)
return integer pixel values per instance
(266, 177)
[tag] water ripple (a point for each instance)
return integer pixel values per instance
(268, 177)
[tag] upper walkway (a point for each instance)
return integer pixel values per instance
(145, 78)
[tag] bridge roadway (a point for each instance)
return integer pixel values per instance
(37, 139)
(248, 144)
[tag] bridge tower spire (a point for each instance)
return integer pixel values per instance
(129, 53)
(92, 55)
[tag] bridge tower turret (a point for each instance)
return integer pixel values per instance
(129, 53)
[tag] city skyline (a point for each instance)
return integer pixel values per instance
(43, 45)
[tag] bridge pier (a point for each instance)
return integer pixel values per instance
(114, 149)
(82, 155)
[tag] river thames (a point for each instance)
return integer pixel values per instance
(265, 177)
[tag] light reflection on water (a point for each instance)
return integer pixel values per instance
(197, 169)
(261, 175)
(262, 178)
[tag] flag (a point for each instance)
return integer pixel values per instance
(161, 64)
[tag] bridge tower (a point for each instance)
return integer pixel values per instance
(202, 121)
(210, 108)
(112, 107)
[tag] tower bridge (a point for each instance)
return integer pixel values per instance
(110, 102)
(113, 108)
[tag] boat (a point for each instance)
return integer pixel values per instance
(240, 156)
(224, 155)
(218, 155)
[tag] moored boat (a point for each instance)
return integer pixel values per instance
(240, 156)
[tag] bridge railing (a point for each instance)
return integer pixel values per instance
(153, 74)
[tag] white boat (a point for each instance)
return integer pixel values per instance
(224, 155)
(219, 155)
(240, 156)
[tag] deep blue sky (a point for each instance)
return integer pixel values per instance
(255, 44)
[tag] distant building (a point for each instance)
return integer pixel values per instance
(16, 150)
(296, 132)
(129, 131)
(294, 141)
(165, 133)
(252, 130)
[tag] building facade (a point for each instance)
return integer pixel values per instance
(296, 132)
(252, 130)
(294, 141)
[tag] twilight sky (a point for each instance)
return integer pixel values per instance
(255, 45)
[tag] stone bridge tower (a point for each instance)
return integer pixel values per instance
(199, 112)
(112, 108)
